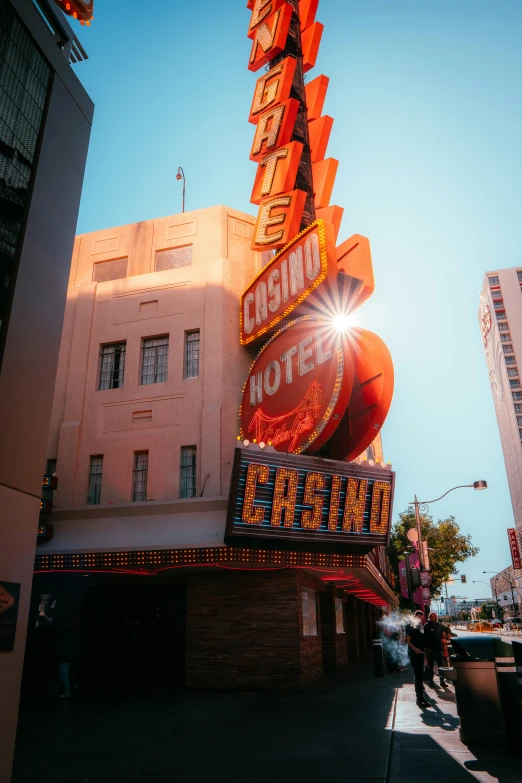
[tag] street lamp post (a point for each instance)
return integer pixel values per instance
(181, 176)
(493, 590)
(422, 506)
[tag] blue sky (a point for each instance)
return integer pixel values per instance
(428, 118)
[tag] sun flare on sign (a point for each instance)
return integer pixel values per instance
(344, 321)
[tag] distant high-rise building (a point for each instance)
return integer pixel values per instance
(45, 123)
(500, 316)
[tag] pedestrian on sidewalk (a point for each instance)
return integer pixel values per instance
(68, 650)
(433, 635)
(416, 649)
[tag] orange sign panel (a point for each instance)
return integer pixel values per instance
(270, 37)
(278, 220)
(291, 276)
(319, 132)
(315, 96)
(274, 128)
(272, 88)
(310, 41)
(277, 171)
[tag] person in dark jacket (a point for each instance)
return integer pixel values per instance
(433, 635)
(415, 641)
(67, 648)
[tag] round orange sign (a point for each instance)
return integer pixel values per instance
(298, 388)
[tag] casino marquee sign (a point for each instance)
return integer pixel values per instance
(296, 502)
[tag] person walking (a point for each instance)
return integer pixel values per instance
(433, 635)
(416, 647)
(67, 649)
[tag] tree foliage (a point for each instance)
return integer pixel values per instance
(447, 544)
(486, 612)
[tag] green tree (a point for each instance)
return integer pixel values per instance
(485, 612)
(447, 544)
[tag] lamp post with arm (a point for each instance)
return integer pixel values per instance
(422, 507)
(493, 590)
(181, 176)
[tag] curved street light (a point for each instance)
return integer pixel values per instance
(424, 505)
(181, 176)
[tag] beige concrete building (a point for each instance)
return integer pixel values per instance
(143, 441)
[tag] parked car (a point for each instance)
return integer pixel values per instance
(496, 623)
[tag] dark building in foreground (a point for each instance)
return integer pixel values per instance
(45, 122)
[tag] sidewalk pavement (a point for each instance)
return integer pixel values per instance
(349, 727)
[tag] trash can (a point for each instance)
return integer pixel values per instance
(486, 690)
(517, 654)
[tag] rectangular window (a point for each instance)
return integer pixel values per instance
(140, 475)
(519, 421)
(497, 293)
(515, 384)
(104, 271)
(505, 338)
(503, 327)
(499, 305)
(173, 258)
(95, 480)
(518, 408)
(512, 372)
(507, 348)
(112, 366)
(154, 360)
(516, 395)
(187, 477)
(309, 609)
(493, 280)
(519, 274)
(500, 316)
(509, 359)
(339, 616)
(192, 354)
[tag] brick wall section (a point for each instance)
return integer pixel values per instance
(244, 630)
(362, 626)
(311, 646)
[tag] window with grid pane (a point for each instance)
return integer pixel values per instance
(497, 294)
(505, 337)
(509, 359)
(140, 475)
(512, 372)
(95, 480)
(518, 408)
(187, 481)
(112, 366)
(499, 306)
(191, 354)
(500, 316)
(493, 280)
(519, 274)
(155, 360)
(503, 327)
(507, 348)
(515, 384)
(517, 395)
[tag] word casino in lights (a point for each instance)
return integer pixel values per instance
(273, 569)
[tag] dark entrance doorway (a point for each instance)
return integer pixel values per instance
(134, 636)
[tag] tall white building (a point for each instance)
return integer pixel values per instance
(500, 317)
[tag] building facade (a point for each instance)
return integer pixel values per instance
(45, 122)
(500, 316)
(143, 442)
(505, 586)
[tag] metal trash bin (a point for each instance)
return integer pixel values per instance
(486, 688)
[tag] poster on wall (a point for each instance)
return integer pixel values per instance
(9, 600)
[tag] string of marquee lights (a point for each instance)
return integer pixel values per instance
(204, 556)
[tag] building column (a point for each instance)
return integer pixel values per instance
(334, 645)
(352, 636)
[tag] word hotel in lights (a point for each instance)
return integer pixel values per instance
(166, 500)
